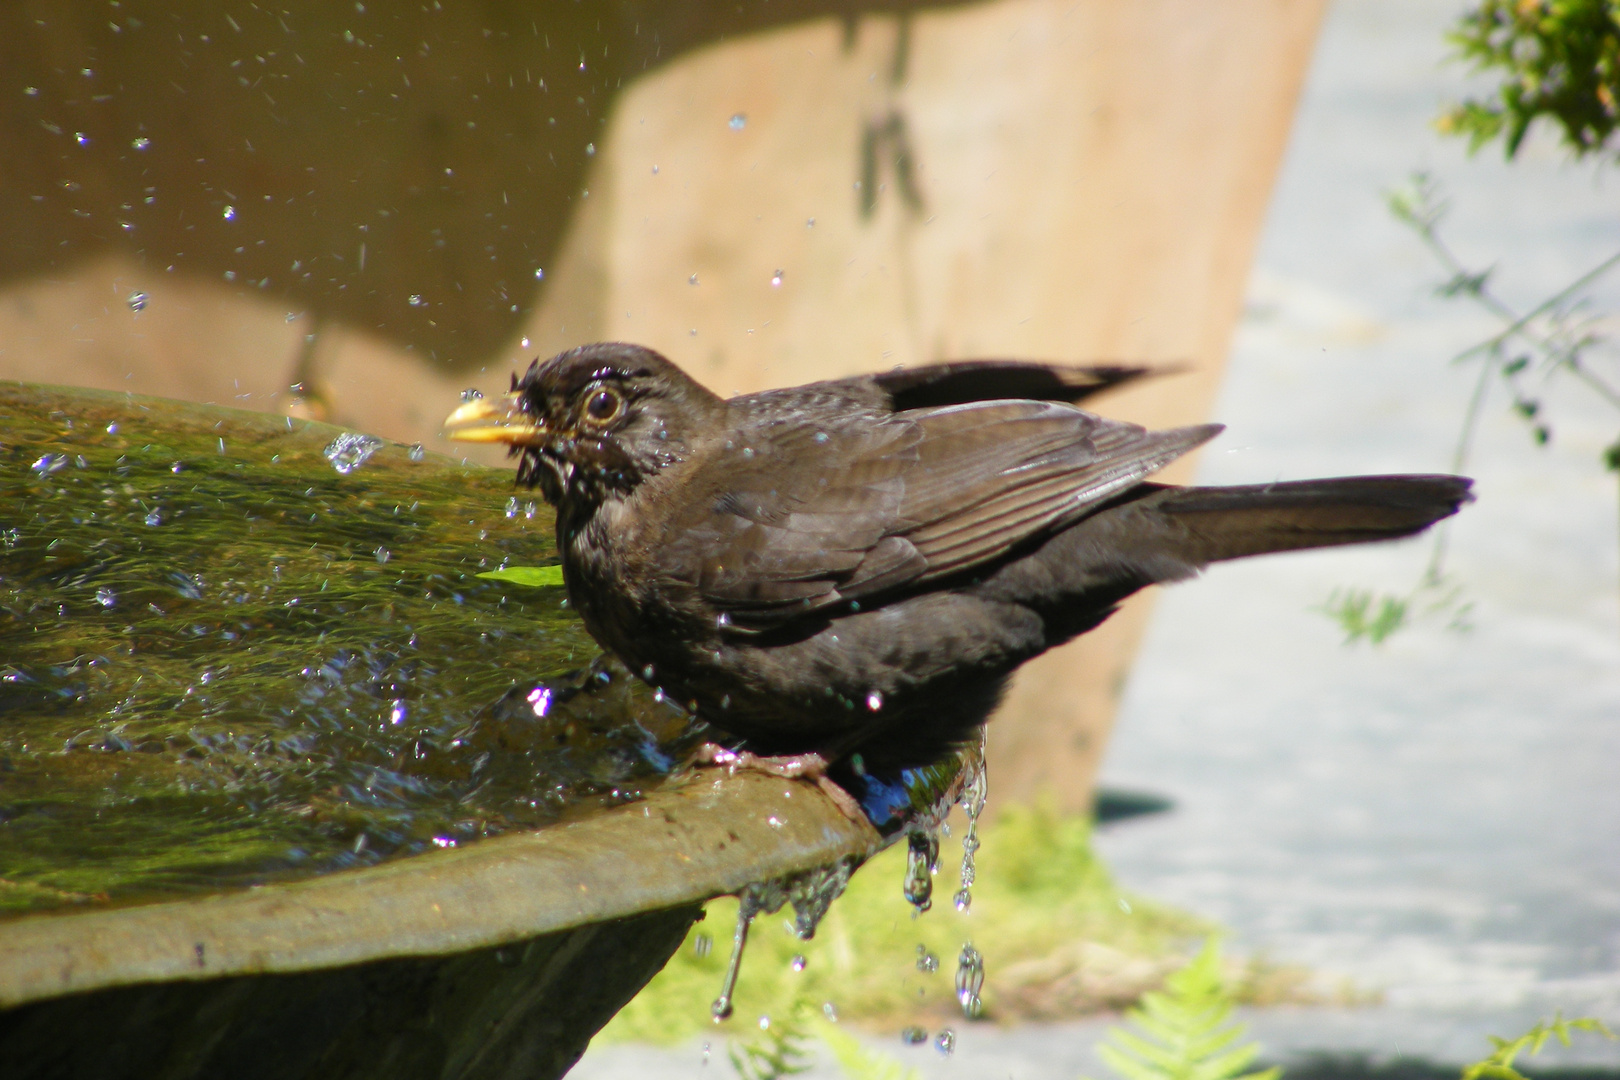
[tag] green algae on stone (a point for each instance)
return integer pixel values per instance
(225, 662)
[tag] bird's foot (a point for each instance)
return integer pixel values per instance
(790, 766)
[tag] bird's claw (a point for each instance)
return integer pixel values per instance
(810, 766)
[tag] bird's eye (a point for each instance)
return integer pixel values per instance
(603, 406)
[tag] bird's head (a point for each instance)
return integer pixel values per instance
(593, 422)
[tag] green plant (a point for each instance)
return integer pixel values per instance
(1559, 336)
(859, 1061)
(1498, 1065)
(1559, 60)
(780, 1049)
(1185, 1031)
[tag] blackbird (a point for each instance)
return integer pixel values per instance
(859, 565)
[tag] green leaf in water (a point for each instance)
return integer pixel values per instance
(539, 577)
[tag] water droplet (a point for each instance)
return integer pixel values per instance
(810, 224)
(416, 452)
(874, 701)
(774, 822)
(945, 1042)
(396, 712)
(830, 1012)
(229, 213)
(438, 841)
(106, 597)
(922, 860)
(512, 507)
(969, 981)
(31, 91)
(701, 945)
(776, 280)
(383, 555)
(649, 672)
(725, 701)
(913, 1035)
(737, 122)
(582, 65)
(177, 468)
(1124, 905)
(655, 170)
(472, 393)
(112, 428)
(415, 300)
(798, 962)
(590, 149)
(154, 518)
(692, 280)
(136, 301)
(524, 344)
(141, 143)
(49, 463)
(81, 138)
(349, 451)
(764, 1023)
(705, 1053)
(927, 962)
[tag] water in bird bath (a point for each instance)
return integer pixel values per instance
(234, 650)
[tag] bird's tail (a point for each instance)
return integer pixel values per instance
(1216, 523)
(1153, 534)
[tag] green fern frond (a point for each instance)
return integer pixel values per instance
(1185, 1031)
(859, 1061)
(1499, 1065)
(780, 1049)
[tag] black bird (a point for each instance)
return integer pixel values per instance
(860, 565)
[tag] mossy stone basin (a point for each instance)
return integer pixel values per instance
(287, 790)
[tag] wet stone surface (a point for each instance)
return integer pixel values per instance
(224, 661)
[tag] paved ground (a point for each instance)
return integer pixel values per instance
(1437, 819)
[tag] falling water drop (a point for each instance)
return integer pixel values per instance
(927, 962)
(106, 597)
(141, 143)
(969, 981)
(136, 301)
(776, 280)
(416, 452)
(737, 122)
(972, 803)
(229, 213)
(945, 1042)
(798, 962)
(922, 860)
(913, 1036)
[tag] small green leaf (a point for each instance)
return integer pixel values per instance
(539, 577)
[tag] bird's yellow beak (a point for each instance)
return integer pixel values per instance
(495, 424)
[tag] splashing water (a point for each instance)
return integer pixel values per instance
(349, 451)
(969, 981)
(922, 862)
(974, 793)
(811, 892)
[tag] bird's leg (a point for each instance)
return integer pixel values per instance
(812, 766)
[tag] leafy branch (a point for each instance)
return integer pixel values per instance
(1558, 335)
(1559, 60)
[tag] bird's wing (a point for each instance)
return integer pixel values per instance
(873, 504)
